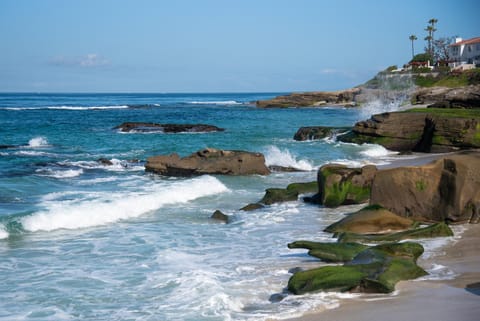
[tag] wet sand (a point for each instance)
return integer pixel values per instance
(456, 299)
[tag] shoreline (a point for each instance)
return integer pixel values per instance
(439, 300)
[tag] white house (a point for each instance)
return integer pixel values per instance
(465, 52)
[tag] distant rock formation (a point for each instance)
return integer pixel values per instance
(444, 97)
(208, 161)
(166, 128)
(312, 99)
(420, 130)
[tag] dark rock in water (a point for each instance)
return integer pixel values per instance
(278, 195)
(7, 146)
(340, 185)
(447, 189)
(219, 216)
(209, 161)
(167, 128)
(420, 130)
(277, 297)
(105, 161)
(373, 270)
(317, 132)
(252, 207)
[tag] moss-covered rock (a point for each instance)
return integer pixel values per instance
(375, 269)
(434, 230)
(340, 185)
(329, 251)
(371, 220)
(278, 195)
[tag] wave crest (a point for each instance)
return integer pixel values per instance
(106, 208)
(276, 156)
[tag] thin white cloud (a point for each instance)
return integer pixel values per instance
(87, 61)
(329, 71)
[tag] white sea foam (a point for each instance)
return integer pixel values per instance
(112, 208)
(3, 232)
(117, 165)
(69, 173)
(38, 142)
(375, 151)
(276, 156)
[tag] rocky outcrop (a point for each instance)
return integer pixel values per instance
(279, 195)
(375, 269)
(447, 189)
(371, 220)
(139, 127)
(208, 161)
(340, 185)
(459, 97)
(420, 130)
(312, 99)
(317, 132)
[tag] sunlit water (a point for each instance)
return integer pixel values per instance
(82, 240)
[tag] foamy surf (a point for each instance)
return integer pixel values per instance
(38, 142)
(109, 209)
(3, 232)
(69, 173)
(276, 156)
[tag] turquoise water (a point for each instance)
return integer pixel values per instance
(80, 240)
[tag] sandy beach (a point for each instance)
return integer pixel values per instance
(456, 299)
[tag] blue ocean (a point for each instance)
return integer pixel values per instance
(82, 239)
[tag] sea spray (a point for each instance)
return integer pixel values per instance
(38, 142)
(276, 156)
(3, 232)
(108, 209)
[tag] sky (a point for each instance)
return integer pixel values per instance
(214, 45)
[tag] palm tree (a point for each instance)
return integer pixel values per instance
(413, 38)
(430, 38)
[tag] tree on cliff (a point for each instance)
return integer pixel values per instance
(412, 39)
(441, 48)
(430, 38)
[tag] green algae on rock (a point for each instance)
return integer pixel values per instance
(329, 251)
(376, 269)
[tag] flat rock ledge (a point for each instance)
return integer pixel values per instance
(140, 127)
(312, 99)
(208, 161)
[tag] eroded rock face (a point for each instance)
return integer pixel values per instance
(447, 189)
(208, 161)
(461, 97)
(140, 127)
(312, 99)
(422, 130)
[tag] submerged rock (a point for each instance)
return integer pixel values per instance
(220, 216)
(208, 161)
(278, 195)
(447, 189)
(167, 128)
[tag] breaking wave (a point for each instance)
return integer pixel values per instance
(276, 156)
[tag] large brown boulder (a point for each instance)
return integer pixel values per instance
(371, 220)
(341, 185)
(312, 99)
(447, 189)
(208, 161)
(420, 130)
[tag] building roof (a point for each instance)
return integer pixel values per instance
(466, 42)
